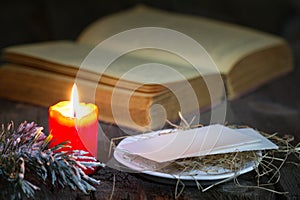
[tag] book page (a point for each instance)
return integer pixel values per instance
(139, 66)
(66, 53)
(225, 43)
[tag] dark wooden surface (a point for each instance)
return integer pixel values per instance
(274, 107)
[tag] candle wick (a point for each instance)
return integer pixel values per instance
(74, 114)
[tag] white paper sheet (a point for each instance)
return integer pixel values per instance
(206, 140)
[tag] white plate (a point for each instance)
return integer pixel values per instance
(145, 166)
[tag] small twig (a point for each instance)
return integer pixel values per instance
(220, 182)
(186, 124)
(177, 195)
(277, 171)
(113, 145)
(172, 124)
(257, 187)
(113, 189)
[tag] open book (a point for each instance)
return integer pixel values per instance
(43, 73)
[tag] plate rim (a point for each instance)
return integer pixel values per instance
(118, 156)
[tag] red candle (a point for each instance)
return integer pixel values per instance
(77, 123)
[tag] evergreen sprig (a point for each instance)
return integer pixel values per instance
(26, 161)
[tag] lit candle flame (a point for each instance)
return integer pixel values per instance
(74, 100)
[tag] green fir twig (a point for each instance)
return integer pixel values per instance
(26, 162)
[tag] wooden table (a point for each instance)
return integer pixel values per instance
(274, 107)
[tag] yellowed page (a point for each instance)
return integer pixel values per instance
(135, 66)
(66, 53)
(225, 43)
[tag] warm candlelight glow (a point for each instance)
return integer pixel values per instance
(76, 122)
(74, 101)
(74, 109)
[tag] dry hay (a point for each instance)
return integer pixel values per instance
(268, 163)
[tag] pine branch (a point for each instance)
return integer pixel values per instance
(25, 152)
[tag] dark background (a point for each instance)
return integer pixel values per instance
(40, 20)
